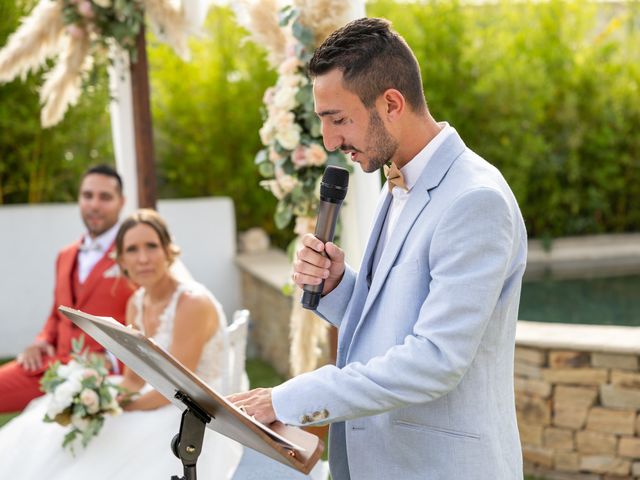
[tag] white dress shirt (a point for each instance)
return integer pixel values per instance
(411, 173)
(92, 250)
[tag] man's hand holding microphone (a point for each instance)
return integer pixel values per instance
(311, 267)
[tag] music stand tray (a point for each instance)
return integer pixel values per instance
(288, 445)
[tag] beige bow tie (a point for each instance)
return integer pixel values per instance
(394, 176)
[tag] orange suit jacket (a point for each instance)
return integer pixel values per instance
(105, 293)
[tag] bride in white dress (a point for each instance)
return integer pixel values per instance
(183, 318)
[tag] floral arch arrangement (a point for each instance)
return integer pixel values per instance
(77, 35)
(294, 158)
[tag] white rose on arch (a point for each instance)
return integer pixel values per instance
(285, 98)
(289, 138)
(286, 182)
(274, 187)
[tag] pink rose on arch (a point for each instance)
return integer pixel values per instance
(85, 9)
(267, 98)
(75, 31)
(316, 155)
(299, 157)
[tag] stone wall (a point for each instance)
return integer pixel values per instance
(578, 401)
(263, 275)
(577, 386)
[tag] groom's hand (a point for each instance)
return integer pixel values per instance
(31, 358)
(256, 403)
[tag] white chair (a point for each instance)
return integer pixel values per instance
(236, 336)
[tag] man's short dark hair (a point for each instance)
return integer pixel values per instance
(107, 170)
(372, 58)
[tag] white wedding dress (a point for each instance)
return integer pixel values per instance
(133, 445)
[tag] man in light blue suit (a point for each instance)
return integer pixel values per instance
(423, 386)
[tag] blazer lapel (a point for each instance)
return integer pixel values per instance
(95, 276)
(419, 197)
(65, 269)
(361, 287)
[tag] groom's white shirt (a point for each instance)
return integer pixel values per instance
(423, 386)
(411, 173)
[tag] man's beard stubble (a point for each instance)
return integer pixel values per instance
(383, 145)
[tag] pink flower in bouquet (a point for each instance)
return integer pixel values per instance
(85, 9)
(90, 399)
(92, 373)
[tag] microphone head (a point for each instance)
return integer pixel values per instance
(334, 184)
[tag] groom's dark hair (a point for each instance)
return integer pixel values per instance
(372, 58)
(106, 170)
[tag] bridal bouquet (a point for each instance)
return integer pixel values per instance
(81, 395)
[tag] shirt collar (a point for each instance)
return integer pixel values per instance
(104, 240)
(414, 168)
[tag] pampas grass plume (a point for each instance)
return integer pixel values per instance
(35, 40)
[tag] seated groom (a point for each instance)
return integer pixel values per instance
(86, 278)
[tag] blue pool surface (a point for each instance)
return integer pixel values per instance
(599, 301)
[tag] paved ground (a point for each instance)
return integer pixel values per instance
(255, 466)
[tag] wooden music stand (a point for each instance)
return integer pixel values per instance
(202, 407)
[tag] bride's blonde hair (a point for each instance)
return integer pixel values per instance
(154, 220)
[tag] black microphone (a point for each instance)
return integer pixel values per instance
(333, 189)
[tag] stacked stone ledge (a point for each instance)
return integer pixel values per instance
(578, 413)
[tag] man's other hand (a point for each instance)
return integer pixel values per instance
(256, 403)
(31, 358)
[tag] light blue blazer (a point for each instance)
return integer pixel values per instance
(423, 386)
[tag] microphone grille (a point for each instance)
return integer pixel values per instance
(334, 183)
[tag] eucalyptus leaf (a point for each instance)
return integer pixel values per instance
(262, 156)
(283, 215)
(266, 169)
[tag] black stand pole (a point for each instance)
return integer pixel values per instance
(187, 444)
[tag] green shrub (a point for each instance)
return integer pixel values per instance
(549, 92)
(206, 117)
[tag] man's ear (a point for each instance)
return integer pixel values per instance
(394, 103)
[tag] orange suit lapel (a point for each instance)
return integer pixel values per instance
(95, 277)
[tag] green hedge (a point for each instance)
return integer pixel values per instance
(547, 91)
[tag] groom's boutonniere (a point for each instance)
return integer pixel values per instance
(112, 272)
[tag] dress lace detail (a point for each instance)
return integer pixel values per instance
(212, 361)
